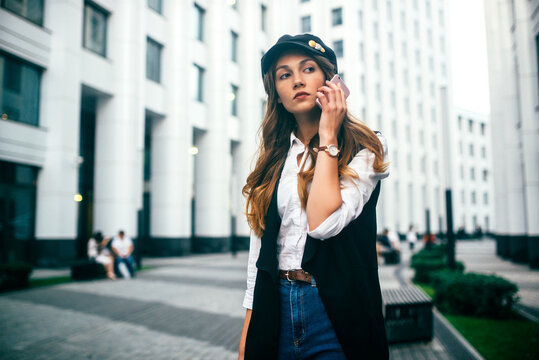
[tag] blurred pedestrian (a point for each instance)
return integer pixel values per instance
(122, 246)
(311, 200)
(394, 239)
(98, 252)
(411, 237)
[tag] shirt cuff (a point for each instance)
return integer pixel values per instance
(329, 227)
(248, 300)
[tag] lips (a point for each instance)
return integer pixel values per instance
(301, 94)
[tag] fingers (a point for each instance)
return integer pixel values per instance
(334, 98)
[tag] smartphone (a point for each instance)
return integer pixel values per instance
(337, 80)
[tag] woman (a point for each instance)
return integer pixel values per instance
(98, 251)
(312, 287)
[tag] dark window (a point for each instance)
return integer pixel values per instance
(262, 18)
(234, 100)
(304, 1)
(199, 23)
(28, 9)
(234, 47)
(199, 91)
(95, 29)
(482, 129)
(19, 98)
(156, 5)
(17, 209)
(470, 125)
(147, 148)
(338, 47)
(306, 24)
(153, 60)
(336, 16)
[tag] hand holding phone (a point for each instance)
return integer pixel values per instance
(337, 80)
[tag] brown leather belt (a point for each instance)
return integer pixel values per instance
(297, 275)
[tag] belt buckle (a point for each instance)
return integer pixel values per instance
(287, 278)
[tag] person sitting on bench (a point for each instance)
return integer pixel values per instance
(122, 246)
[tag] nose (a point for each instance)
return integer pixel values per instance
(298, 82)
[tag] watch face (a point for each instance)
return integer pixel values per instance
(332, 150)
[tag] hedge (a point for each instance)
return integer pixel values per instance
(473, 294)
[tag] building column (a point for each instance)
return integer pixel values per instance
(212, 177)
(56, 210)
(120, 126)
(171, 139)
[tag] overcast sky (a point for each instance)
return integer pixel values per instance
(469, 55)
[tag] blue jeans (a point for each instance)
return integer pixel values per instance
(129, 262)
(306, 331)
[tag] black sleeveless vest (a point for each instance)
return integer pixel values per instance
(346, 271)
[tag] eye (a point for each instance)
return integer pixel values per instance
(284, 76)
(309, 69)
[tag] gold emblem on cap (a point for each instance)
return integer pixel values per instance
(316, 45)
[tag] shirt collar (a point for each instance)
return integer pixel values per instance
(295, 140)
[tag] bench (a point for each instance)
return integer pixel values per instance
(407, 314)
(87, 270)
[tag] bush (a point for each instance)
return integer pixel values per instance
(428, 261)
(14, 275)
(474, 294)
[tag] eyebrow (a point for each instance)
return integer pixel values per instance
(288, 67)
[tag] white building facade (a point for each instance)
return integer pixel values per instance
(394, 57)
(473, 190)
(513, 45)
(133, 115)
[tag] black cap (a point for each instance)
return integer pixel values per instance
(309, 43)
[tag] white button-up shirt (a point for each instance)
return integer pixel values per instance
(355, 193)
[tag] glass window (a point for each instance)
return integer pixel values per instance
(485, 175)
(306, 24)
(199, 22)
(263, 13)
(485, 198)
(336, 16)
(470, 125)
(19, 98)
(472, 174)
(362, 83)
(473, 197)
(95, 29)
(234, 46)
(28, 9)
(153, 60)
(375, 30)
(483, 152)
(388, 10)
(338, 47)
(482, 129)
(234, 100)
(156, 5)
(199, 91)
(471, 149)
(360, 19)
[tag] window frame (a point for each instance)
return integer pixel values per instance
(106, 14)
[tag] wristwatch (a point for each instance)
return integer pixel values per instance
(331, 149)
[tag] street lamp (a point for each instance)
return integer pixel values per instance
(447, 160)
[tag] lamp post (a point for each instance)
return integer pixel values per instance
(447, 161)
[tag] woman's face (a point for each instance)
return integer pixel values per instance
(297, 79)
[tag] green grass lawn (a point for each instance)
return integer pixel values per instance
(49, 281)
(514, 338)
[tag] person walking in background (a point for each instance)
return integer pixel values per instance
(411, 237)
(122, 246)
(312, 286)
(98, 252)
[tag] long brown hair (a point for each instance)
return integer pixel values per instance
(275, 132)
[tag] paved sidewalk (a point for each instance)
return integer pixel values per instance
(185, 308)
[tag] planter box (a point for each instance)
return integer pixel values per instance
(407, 314)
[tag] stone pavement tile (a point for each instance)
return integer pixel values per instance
(65, 334)
(195, 324)
(174, 291)
(419, 351)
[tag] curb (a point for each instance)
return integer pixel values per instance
(458, 337)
